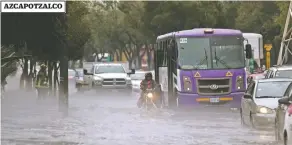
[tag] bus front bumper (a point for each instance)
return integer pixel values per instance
(232, 100)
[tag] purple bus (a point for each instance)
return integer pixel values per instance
(202, 66)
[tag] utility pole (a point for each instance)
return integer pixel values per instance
(287, 37)
(63, 90)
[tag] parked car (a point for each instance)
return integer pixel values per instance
(283, 121)
(260, 101)
(284, 71)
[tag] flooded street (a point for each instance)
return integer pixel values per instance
(114, 120)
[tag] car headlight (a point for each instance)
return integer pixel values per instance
(97, 78)
(264, 110)
(149, 95)
(239, 83)
(187, 84)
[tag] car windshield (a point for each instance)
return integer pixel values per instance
(211, 53)
(272, 89)
(284, 73)
(138, 76)
(109, 69)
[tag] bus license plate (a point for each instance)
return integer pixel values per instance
(214, 100)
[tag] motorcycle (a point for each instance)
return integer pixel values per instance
(149, 99)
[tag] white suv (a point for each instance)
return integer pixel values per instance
(111, 76)
(283, 122)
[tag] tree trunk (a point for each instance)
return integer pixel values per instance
(130, 63)
(34, 73)
(24, 75)
(30, 76)
(138, 65)
(73, 62)
(148, 50)
(56, 80)
(118, 55)
(50, 75)
(81, 63)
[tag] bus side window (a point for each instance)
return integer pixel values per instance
(174, 49)
(165, 60)
(159, 54)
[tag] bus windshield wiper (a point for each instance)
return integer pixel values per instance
(202, 61)
(220, 60)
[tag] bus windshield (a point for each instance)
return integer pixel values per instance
(227, 52)
(211, 52)
(194, 53)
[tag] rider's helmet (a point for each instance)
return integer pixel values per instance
(148, 76)
(43, 66)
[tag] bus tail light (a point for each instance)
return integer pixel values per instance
(187, 84)
(239, 83)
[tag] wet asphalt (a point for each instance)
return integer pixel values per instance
(113, 119)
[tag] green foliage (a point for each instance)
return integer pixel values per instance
(78, 32)
(8, 61)
(44, 35)
(112, 26)
(116, 24)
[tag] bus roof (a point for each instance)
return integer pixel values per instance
(252, 35)
(200, 32)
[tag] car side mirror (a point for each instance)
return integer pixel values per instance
(248, 51)
(247, 96)
(85, 72)
(284, 101)
(131, 72)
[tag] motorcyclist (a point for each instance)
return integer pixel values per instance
(147, 83)
(42, 81)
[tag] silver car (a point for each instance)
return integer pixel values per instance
(283, 71)
(283, 121)
(260, 101)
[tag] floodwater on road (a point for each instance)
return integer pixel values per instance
(115, 120)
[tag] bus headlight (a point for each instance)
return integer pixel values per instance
(187, 84)
(239, 83)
